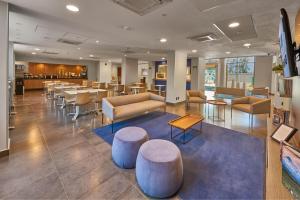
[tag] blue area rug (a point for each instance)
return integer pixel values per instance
(218, 163)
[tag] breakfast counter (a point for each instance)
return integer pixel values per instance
(35, 84)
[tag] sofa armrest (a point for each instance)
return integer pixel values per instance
(242, 100)
(261, 107)
(202, 95)
(108, 109)
(157, 97)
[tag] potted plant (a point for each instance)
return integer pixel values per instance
(278, 69)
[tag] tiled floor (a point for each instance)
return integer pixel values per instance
(52, 157)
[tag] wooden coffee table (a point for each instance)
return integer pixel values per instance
(218, 103)
(184, 123)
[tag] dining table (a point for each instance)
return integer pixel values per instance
(136, 89)
(75, 92)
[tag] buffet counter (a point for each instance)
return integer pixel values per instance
(35, 84)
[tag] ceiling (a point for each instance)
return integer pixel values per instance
(40, 23)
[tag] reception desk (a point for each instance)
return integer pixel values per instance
(36, 84)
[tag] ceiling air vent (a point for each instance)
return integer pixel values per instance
(142, 7)
(204, 37)
(50, 52)
(67, 41)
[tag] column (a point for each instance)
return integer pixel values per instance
(105, 72)
(176, 76)
(4, 138)
(11, 63)
(129, 70)
(221, 73)
(198, 73)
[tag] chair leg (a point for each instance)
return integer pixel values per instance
(231, 114)
(102, 117)
(112, 126)
(251, 120)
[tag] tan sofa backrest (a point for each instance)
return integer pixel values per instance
(253, 99)
(128, 99)
(231, 91)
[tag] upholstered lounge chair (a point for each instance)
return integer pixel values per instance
(251, 105)
(195, 96)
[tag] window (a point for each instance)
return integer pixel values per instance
(240, 72)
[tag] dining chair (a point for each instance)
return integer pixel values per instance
(81, 100)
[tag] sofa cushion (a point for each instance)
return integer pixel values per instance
(136, 108)
(196, 100)
(242, 107)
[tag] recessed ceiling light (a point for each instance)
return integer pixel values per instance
(78, 48)
(33, 53)
(163, 40)
(194, 50)
(228, 52)
(109, 60)
(97, 41)
(125, 55)
(163, 58)
(126, 28)
(91, 55)
(148, 52)
(37, 49)
(247, 45)
(234, 25)
(80, 58)
(72, 8)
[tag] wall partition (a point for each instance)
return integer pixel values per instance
(240, 72)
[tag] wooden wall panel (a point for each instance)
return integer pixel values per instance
(49, 69)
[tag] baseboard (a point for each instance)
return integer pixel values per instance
(4, 153)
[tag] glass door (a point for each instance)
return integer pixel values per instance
(210, 79)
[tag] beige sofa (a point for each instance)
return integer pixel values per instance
(127, 106)
(251, 105)
(236, 92)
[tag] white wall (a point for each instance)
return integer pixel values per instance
(263, 71)
(176, 79)
(4, 141)
(129, 70)
(92, 66)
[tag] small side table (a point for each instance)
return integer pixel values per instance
(218, 104)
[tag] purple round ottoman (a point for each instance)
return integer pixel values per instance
(126, 145)
(159, 170)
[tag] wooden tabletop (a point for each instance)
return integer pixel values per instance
(186, 121)
(136, 87)
(217, 102)
(75, 92)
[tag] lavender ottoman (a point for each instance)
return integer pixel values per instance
(126, 145)
(159, 170)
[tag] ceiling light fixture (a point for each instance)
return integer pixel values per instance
(148, 52)
(163, 40)
(80, 58)
(33, 53)
(97, 41)
(194, 50)
(126, 28)
(91, 55)
(247, 45)
(228, 52)
(72, 8)
(78, 48)
(37, 49)
(163, 58)
(125, 55)
(109, 60)
(234, 25)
